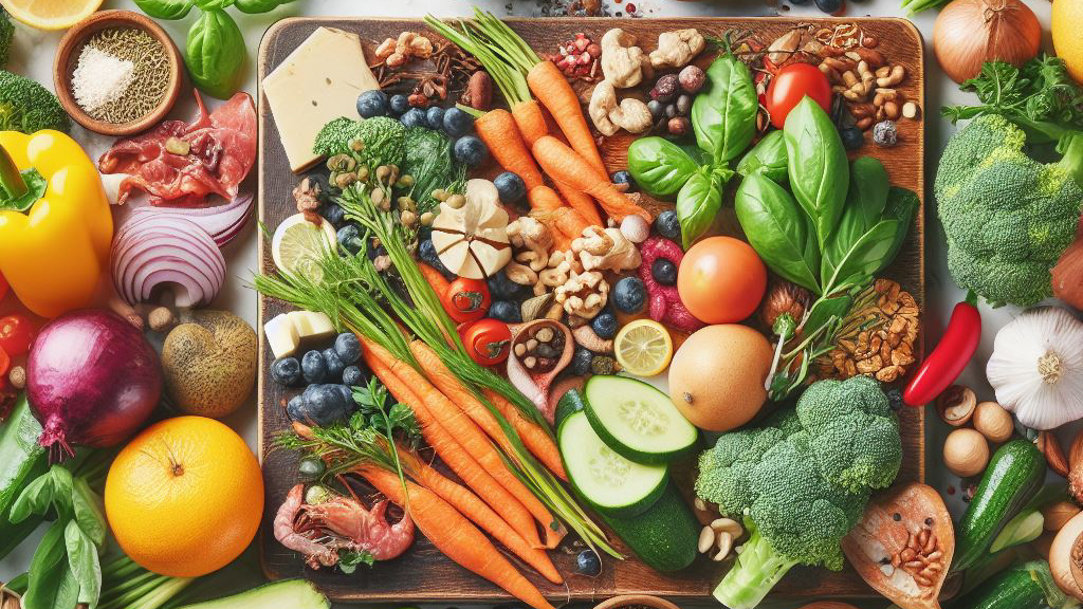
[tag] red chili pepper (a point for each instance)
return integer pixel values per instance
(466, 300)
(950, 357)
(487, 341)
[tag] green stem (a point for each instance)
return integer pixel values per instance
(12, 184)
(1071, 146)
(757, 570)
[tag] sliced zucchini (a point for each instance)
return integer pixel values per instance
(637, 420)
(612, 485)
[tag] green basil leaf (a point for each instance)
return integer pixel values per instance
(778, 230)
(768, 157)
(254, 7)
(867, 256)
(84, 563)
(865, 202)
(724, 113)
(216, 53)
(210, 5)
(88, 512)
(52, 584)
(35, 499)
(165, 9)
(826, 312)
(902, 205)
(659, 166)
(818, 168)
(63, 483)
(698, 203)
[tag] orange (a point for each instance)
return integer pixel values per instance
(721, 280)
(185, 497)
(1067, 17)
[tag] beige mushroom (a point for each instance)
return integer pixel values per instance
(602, 101)
(622, 61)
(677, 48)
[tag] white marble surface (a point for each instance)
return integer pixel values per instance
(34, 56)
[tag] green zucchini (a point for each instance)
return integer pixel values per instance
(1014, 475)
(293, 593)
(664, 537)
(21, 460)
(1026, 586)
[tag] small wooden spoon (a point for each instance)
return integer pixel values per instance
(536, 385)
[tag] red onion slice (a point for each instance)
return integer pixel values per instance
(152, 250)
(221, 222)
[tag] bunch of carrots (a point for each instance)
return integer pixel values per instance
(520, 139)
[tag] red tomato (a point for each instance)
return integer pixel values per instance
(721, 280)
(5, 367)
(3, 287)
(466, 299)
(790, 85)
(16, 334)
(487, 342)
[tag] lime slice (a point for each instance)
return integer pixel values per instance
(298, 246)
(644, 348)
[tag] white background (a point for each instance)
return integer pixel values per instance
(34, 57)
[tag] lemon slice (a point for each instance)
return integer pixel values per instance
(643, 347)
(298, 246)
(51, 14)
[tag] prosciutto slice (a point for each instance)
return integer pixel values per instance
(180, 164)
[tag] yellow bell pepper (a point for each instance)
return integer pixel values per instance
(55, 222)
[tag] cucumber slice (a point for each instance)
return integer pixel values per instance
(637, 420)
(611, 484)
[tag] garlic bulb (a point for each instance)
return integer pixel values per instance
(1037, 368)
(471, 239)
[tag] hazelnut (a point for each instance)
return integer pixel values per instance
(966, 453)
(678, 125)
(479, 91)
(691, 78)
(993, 421)
(666, 88)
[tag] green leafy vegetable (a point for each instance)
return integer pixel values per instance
(254, 7)
(724, 113)
(429, 161)
(778, 230)
(7, 34)
(348, 560)
(165, 9)
(659, 166)
(52, 583)
(28, 107)
(698, 203)
(84, 563)
(818, 169)
(216, 53)
(768, 157)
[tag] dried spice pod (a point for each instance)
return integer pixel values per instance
(903, 545)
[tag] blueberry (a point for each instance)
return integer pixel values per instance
(286, 371)
(604, 325)
(313, 368)
(353, 376)
(657, 108)
(502, 288)
(321, 405)
(414, 117)
(311, 468)
(664, 271)
(335, 365)
(831, 7)
(348, 348)
(372, 103)
(334, 214)
(510, 186)
(349, 238)
(434, 118)
(588, 563)
(296, 407)
(668, 225)
(623, 177)
(347, 395)
(426, 251)
(471, 151)
(507, 312)
(629, 295)
(852, 137)
(398, 104)
(457, 122)
(581, 361)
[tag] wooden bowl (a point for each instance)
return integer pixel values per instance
(629, 600)
(67, 57)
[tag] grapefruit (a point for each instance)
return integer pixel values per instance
(1066, 19)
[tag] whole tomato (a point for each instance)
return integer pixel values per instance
(487, 341)
(790, 85)
(466, 300)
(721, 280)
(16, 334)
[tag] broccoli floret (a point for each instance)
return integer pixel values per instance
(382, 140)
(1007, 217)
(28, 107)
(800, 481)
(7, 33)
(852, 432)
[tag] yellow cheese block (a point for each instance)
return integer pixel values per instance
(317, 83)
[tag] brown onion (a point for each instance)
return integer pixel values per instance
(970, 32)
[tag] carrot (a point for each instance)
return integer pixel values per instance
(556, 94)
(567, 165)
(482, 515)
(580, 202)
(543, 198)
(498, 130)
(454, 455)
(568, 221)
(467, 434)
(454, 535)
(434, 278)
(536, 439)
(530, 118)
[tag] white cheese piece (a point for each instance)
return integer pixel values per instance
(281, 335)
(311, 326)
(317, 83)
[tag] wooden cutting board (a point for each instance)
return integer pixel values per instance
(423, 574)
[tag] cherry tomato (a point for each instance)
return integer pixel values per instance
(16, 334)
(721, 280)
(487, 341)
(790, 85)
(467, 299)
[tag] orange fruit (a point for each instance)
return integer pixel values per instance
(721, 280)
(185, 497)
(1067, 16)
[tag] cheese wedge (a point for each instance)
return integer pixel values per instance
(311, 326)
(281, 335)
(317, 83)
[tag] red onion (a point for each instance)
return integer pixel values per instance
(152, 250)
(222, 222)
(92, 380)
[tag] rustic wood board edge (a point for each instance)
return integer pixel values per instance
(452, 583)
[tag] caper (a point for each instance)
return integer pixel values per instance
(405, 181)
(427, 218)
(311, 468)
(362, 173)
(440, 194)
(408, 218)
(456, 201)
